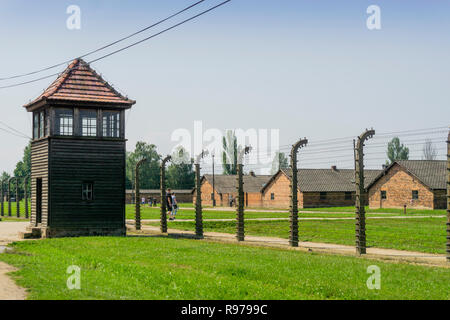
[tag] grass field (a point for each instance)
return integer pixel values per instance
(423, 235)
(164, 268)
(208, 213)
(14, 208)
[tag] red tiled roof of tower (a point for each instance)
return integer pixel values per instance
(80, 83)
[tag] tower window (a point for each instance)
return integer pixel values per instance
(87, 191)
(111, 124)
(41, 124)
(64, 122)
(36, 126)
(88, 123)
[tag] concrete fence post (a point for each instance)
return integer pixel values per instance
(448, 198)
(360, 230)
(25, 192)
(198, 191)
(137, 194)
(240, 231)
(9, 197)
(17, 199)
(163, 222)
(2, 204)
(293, 216)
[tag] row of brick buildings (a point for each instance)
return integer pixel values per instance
(414, 183)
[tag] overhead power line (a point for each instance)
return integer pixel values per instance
(125, 48)
(13, 133)
(13, 129)
(105, 46)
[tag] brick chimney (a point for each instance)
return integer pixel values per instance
(252, 173)
(333, 168)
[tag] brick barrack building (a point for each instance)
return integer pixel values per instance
(419, 184)
(226, 192)
(316, 188)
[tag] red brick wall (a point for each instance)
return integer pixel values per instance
(252, 199)
(399, 185)
(207, 190)
(280, 187)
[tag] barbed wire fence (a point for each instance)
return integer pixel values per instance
(339, 153)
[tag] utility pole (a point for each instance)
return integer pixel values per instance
(293, 216)
(163, 223)
(448, 198)
(213, 183)
(361, 192)
(240, 234)
(137, 194)
(198, 190)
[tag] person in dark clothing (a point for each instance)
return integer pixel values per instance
(169, 202)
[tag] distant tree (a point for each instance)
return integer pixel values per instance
(23, 168)
(180, 173)
(230, 153)
(429, 151)
(149, 171)
(4, 179)
(280, 161)
(5, 176)
(396, 151)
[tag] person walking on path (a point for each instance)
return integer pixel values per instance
(174, 207)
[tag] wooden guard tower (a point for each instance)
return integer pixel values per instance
(78, 156)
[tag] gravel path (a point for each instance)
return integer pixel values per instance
(9, 290)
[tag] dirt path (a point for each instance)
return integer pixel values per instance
(9, 290)
(372, 253)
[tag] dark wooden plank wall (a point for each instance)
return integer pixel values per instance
(74, 161)
(39, 169)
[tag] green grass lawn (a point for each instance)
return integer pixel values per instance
(208, 213)
(164, 268)
(423, 235)
(14, 208)
(382, 210)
